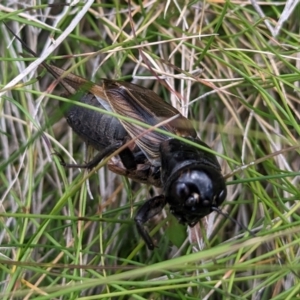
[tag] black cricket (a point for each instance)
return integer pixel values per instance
(190, 177)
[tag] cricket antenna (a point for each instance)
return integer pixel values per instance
(226, 215)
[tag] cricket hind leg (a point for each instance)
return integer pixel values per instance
(128, 158)
(95, 161)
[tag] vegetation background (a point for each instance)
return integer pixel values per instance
(235, 65)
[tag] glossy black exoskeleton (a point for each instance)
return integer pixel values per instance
(190, 177)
